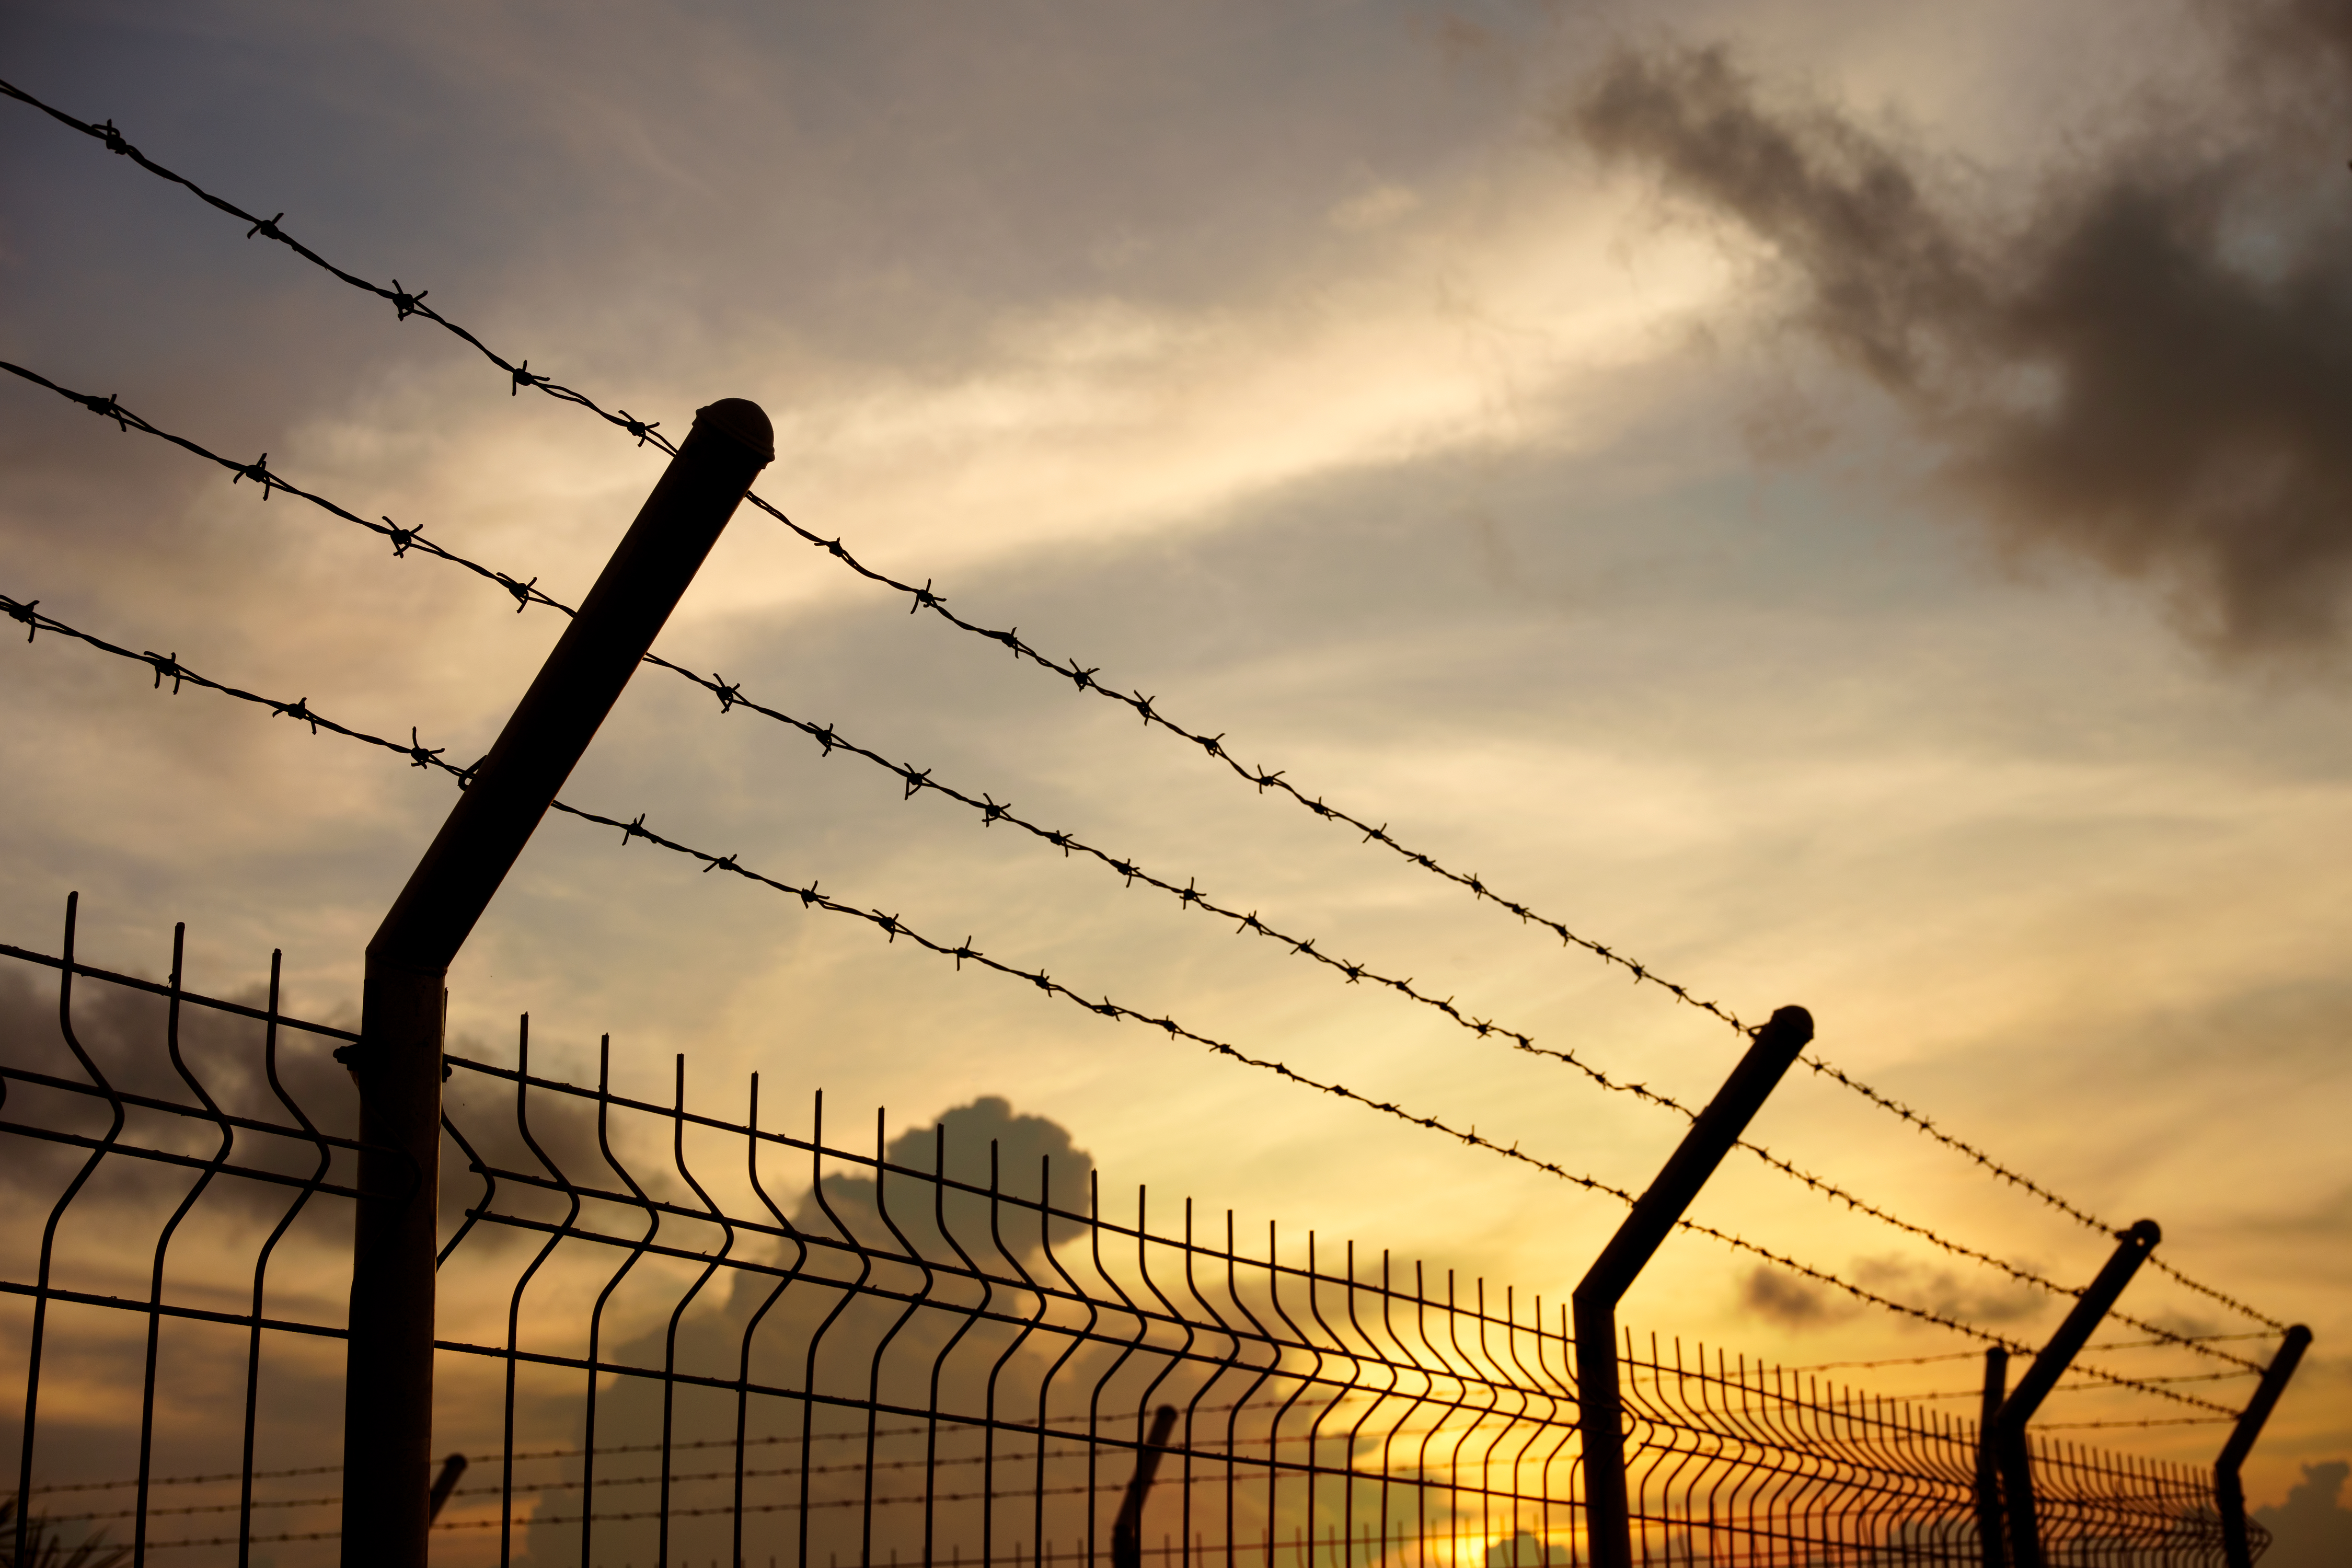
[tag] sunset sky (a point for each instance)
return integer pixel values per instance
(1845, 504)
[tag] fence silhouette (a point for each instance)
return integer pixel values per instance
(668, 1335)
(673, 1334)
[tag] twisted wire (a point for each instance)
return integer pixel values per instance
(894, 927)
(406, 304)
(2167, 1341)
(2073, 1387)
(914, 781)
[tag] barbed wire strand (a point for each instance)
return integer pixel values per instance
(408, 304)
(2168, 1342)
(915, 780)
(894, 927)
(2075, 1387)
(855, 1434)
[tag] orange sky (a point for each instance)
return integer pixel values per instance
(1314, 375)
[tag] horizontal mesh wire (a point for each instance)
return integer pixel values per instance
(827, 1346)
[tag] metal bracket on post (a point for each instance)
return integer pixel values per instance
(1601, 1405)
(2008, 1434)
(388, 1376)
(2228, 1491)
(1990, 1539)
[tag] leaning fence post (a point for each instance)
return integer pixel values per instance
(1126, 1530)
(1600, 1417)
(2228, 1491)
(388, 1377)
(2010, 1441)
(1989, 1541)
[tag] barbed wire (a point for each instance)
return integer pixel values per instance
(2075, 1387)
(914, 781)
(952, 1426)
(2168, 1342)
(894, 926)
(408, 304)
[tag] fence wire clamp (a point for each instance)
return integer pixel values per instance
(405, 303)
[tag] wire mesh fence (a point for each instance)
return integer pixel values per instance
(670, 1334)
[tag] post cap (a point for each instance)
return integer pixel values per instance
(741, 420)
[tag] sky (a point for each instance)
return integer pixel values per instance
(1844, 503)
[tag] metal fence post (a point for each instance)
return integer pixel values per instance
(2009, 1432)
(2228, 1491)
(388, 1378)
(1990, 1540)
(1126, 1530)
(1600, 1404)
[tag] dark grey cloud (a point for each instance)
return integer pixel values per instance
(2146, 362)
(1790, 1302)
(2313, 1527)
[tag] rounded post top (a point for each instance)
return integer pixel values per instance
(2147, 1231)
(740, 420)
